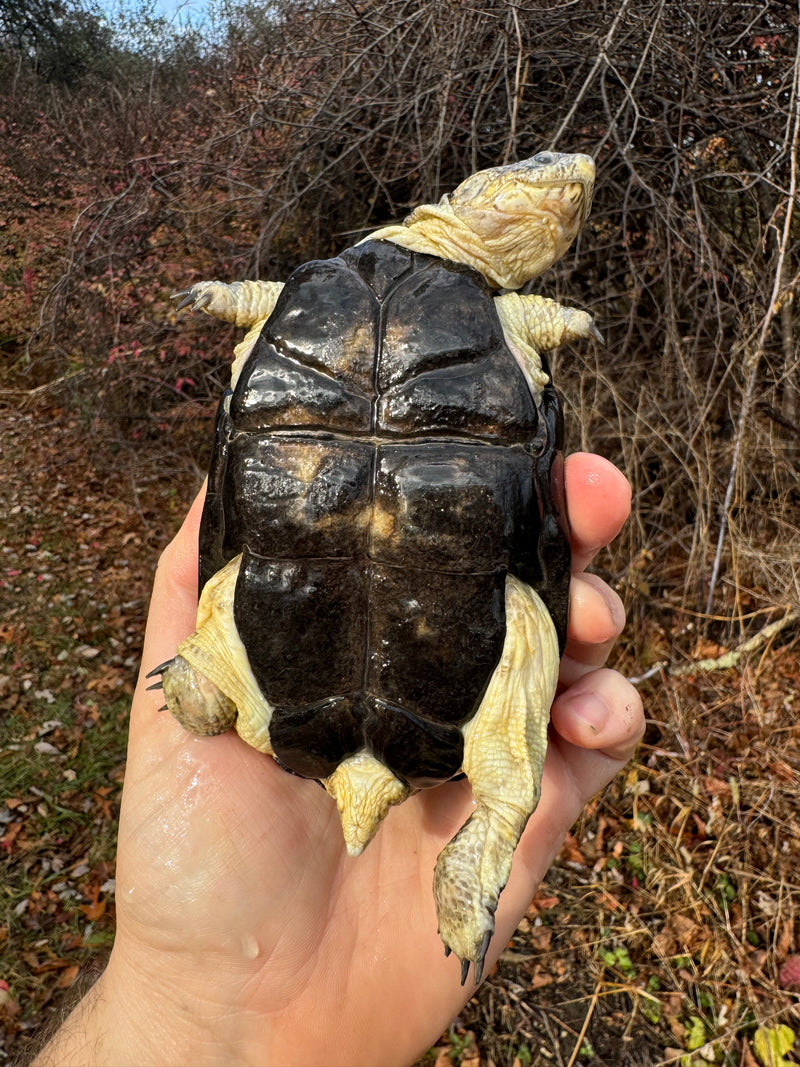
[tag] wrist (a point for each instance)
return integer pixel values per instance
(140, 1014)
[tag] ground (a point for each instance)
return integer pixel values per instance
(666, 932)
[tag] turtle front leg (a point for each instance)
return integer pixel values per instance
(209, 686)
(242, 303)
(248, 304)
(534, 324)
(504, 750)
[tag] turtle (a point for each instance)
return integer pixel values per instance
(384, 554)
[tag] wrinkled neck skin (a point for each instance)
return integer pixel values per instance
(509, 252)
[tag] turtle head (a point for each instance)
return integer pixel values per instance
(526, 214)
(510, 223)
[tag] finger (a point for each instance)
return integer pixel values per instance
(596, 614)
(173, 605)
(598, 503)
(597, 618)
(602, 712)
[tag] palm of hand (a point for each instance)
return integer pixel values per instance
(238, 873)
(237, 902)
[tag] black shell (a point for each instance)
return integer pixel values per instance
(382, 465)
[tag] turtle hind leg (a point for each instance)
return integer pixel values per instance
(504, 750)
(209, 686)
(197, 704)
(158, 670)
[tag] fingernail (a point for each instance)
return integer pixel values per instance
(591, 710)
(615, 606)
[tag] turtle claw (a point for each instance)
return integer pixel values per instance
(159, 670)
(188, 298)
(196, 295)
(487, 937)
(155, 685)
(480, 956)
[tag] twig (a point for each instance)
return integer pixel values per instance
(579, 1041)
(727, 659)
(773, 308)
(601, 58)
(519, 82)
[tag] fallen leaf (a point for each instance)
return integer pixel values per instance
(570, 853)
(770, 1043)
(541, 902)
(94, 910)
(540, 938)
(44, 748)
(789, 974)
(68, 976)
(8, 1005)
(541, 978)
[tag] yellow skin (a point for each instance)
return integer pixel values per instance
(510, 223)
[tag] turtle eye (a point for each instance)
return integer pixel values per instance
(544, 158)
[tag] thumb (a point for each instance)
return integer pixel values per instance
(173, 609)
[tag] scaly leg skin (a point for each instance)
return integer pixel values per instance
(198, 705)
(209, 686)
(242, 303)
(504, 750)
(534, 324)
(247, 303)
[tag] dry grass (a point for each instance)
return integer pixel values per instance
(660, 936)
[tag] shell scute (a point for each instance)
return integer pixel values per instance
(276, 391)
(300, 496)
(304, 625)
(417, 337)
(455, 504)
(435, 639)
(326, 318)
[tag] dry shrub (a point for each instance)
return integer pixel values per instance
(303, 126)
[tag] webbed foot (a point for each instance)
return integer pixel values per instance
(197, 704)
(470, 874)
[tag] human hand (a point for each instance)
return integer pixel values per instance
(245, 932)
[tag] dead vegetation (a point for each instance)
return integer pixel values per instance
(669, 930)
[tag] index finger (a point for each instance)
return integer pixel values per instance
(598, 503)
